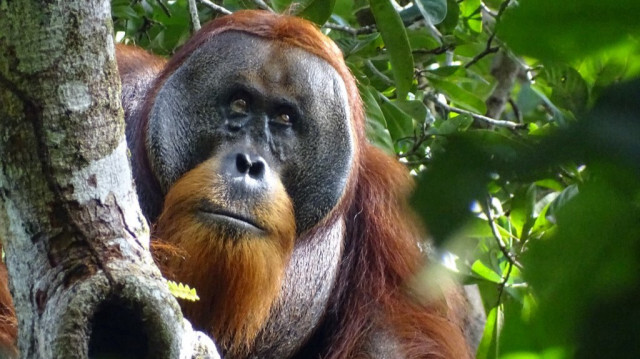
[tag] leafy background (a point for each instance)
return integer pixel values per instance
(520, 121)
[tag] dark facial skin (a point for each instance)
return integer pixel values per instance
(272, 101)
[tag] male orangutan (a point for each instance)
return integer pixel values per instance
(249, 155)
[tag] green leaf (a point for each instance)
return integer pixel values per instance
(445, 71)
(416, 109)
(550, 183)
(454, 124)
(399, 123)
(485, 272)
(124, 11)
(344, 9)
(569, 29)
(542, 224)
(615, 65)
(478, 228)
(377, 131)
(522, 206)
(352, 45)
(451, 20)
(395, 39)
(318, 11)
(449, 185)
(419, 39)
(569, 90)
(593, 264)
(281, 5)
(235, 5)
(470, 11)
(488, 346)
(558, 115)
(565, 196)
(528, 100)
(465, 99)
(433, 11)
(552, 353)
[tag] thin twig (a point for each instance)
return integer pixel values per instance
(505, 70)
(502, 8)
(195, 18)
(379, 74)
(396, 6)
(416, 163)
(217, 8)
(476, 116)
(489, 49)
(147, 23)
(351, 30)
(417, 143)
(418, 139)
(164, 7)
(435, 32)
(504, 281)
(262, 5)
(496, 234)
(516, 110)
(487, 9)
(435, 51)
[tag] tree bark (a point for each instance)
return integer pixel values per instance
(505, 69)
(76, 243)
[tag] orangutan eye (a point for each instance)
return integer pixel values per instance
(239, 106)
(282, 119)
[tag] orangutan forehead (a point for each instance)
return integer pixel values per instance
(261, 60)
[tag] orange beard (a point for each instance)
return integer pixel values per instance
(237, 273)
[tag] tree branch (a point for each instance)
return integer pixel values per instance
(496, 234)
(387, 81)
(503, 283)
(76, 242)
(435, 51)
(486, 9)
(505, 70)
(489, 49)
(516, 110)
(418, 140)
(164, 8)
(476, 116)
(262, 5)
(195, 18)
(351, 30)
(217, 8)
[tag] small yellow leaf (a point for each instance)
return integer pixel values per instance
(182, 291)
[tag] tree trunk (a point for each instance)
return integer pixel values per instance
(76, 243)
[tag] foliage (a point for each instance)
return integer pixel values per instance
(182, 291)
(539, 201)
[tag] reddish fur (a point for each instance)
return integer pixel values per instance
(8, 322)
(238, 279)
(130, 60)
(380, 253)
(138, 70)
(285, 29)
